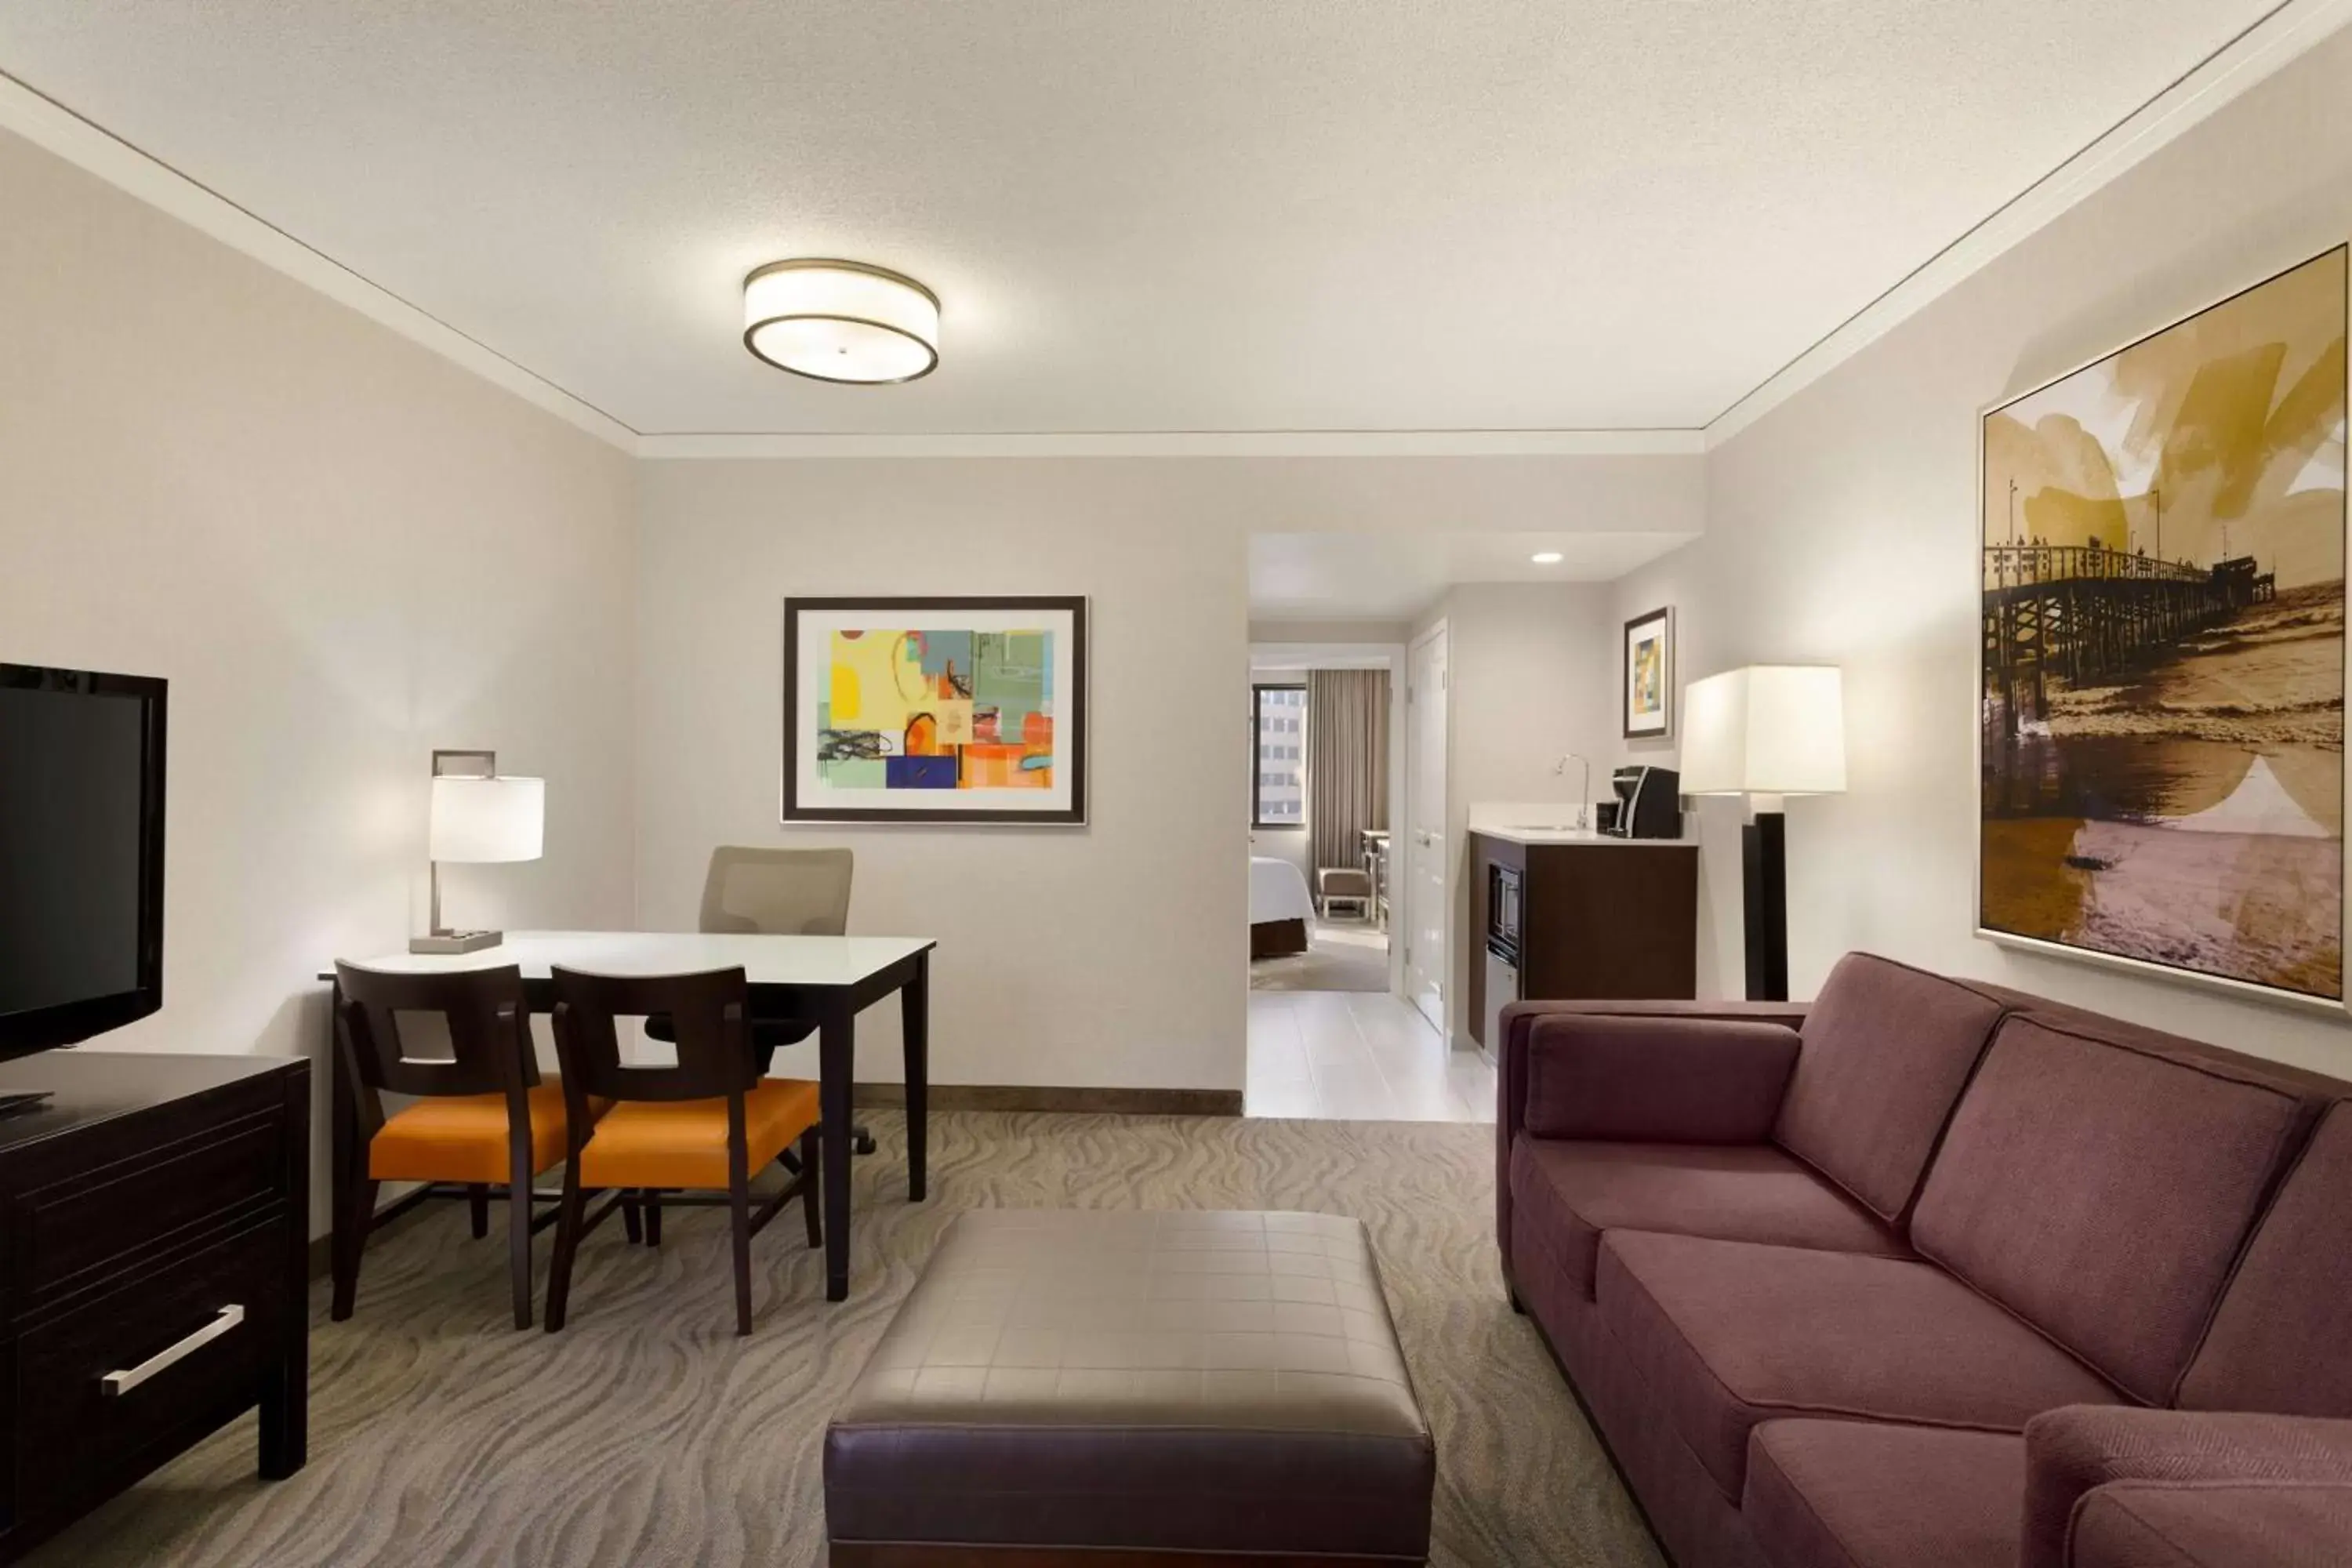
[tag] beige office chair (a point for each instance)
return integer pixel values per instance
(776, 892)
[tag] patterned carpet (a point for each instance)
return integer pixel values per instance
(647, 1435)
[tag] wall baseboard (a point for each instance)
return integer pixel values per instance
(1041, 1097)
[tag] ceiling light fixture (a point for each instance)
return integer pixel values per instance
(1546, 558)
(841, 322)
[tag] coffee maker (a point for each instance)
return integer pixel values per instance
(1649, 804)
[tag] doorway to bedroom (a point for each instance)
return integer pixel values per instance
(1321, 785)
(1331, 1033)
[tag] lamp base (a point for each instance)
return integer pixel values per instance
(455, 941)
(1764, 887)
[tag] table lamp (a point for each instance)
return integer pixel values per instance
(1766, 732)
(478, 818)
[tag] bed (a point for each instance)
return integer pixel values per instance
(1280, 907)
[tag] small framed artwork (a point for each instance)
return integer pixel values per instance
(1649, 686)
(936, 710)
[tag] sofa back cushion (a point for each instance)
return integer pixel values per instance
(1887, 1050)
(1656, 1080)
(2282, 1339)
(2100, 1189)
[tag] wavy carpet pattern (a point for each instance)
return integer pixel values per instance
(646, 1435)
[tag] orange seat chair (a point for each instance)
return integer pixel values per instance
(703, 1125)
(483, 1118)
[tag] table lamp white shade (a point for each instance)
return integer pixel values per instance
(483, 820)
(1767, 729)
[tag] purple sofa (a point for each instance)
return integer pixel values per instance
(1934, 1274)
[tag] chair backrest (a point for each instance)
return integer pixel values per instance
(707, 1014)
(482, 1011)
(777, 892)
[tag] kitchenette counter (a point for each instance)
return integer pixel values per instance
(1555, 916)
(1521, 834)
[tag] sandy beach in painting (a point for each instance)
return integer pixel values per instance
(2192, 817)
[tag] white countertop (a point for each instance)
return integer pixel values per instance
(1537, 834)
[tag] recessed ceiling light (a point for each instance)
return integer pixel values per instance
(841, 320)
(1546, 558)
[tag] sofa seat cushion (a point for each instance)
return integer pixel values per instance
(1729, 1333)
(1865, 1494)
(1752, 1192)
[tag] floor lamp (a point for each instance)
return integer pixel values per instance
(1766, 732)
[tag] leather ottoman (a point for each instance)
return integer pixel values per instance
(1096, 1387)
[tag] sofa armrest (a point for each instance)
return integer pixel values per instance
(1685, 1021)
(2099, 1478)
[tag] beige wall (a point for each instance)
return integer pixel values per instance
(1531, 676)
(1840, 528)
(342, 551)
(1112, 955)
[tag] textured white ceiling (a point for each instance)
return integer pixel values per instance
(1173, 216)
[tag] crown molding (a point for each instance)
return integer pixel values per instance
(2227, 74)
(1186, 444)
(51, 125)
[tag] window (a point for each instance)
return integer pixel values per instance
(1279, 787)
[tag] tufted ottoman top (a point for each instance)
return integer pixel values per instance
(1151, 1381)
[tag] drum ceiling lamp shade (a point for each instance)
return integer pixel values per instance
(841, 322)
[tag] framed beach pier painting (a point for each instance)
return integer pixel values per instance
(936, 710)
(2161, 707)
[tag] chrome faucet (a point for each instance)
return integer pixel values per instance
(1583, 788)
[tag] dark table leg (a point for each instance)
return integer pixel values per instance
(915, 1014)
(836, 1064)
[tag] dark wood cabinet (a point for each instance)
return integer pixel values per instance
(155, 1217)
(1589, 919)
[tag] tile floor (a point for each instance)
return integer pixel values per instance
(1357, 1056)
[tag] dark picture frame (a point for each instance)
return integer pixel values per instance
(1648, 727)
(1070, 714)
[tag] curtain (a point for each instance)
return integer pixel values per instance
(1346, 763)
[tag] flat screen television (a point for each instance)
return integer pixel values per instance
(81, 853)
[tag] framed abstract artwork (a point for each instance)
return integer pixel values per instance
(936, 710)
(1648, 691)
(2160, 695)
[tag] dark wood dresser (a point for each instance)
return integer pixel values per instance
(1589, 919)
(155, 1218)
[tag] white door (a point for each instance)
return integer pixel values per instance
(1426, 912)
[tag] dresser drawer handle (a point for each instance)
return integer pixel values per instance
(124, 1382)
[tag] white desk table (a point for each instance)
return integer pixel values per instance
(822, 980)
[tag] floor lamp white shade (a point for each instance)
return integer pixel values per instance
(1766, 729)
